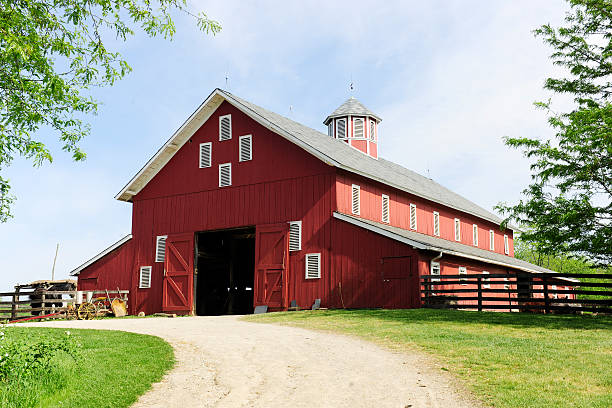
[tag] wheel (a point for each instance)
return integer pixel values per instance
(87, 311)
(101, 309)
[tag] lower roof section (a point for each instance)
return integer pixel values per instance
(427, 242)
(108, 250)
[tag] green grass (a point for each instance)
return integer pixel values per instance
(505, 359)
(113, 370)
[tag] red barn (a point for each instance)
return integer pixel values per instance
(243, 207)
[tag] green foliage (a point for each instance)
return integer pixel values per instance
(51, 53)
(568, 206)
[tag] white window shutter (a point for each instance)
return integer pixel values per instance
(225, 127)
(330, 129)
(355, 199)
(225, 175)
(491, 240)
(358, 128)
(413, 217)
(313, 266)
(144, 281)
(341, 128)
(372, 129)
(457, 229)
(385, 208)
(160, 248)
(205, 155)
(246, 148)
(506, 245)
(295, 235)
(436, 221)
(475, 234)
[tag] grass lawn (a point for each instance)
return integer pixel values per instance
(113, 369)
(506, 359)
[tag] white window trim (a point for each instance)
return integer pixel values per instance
(436, 223)
(353, 188)
(413, 209)
(491, 240)
(463, 271)
(506, 245)
(488, 280)
(345, 128)
(140, 283)
(229, 166)
(240, 139)
(157, 239)
(230, 127)
(299, 224)
(209, 144)
(431, 269)
(363, 123)
(475, 234)
(318, 256)
(382, 215)
(457, 231)
(330, 129)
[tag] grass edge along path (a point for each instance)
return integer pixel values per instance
(505, 359)
(113, 369)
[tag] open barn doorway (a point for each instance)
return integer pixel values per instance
(225, 262)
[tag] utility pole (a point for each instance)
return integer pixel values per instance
(54, 259)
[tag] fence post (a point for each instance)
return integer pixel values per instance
(479, 283)
(546, 300)
(15, 304)
(43, 305)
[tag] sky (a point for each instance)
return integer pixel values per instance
(450, 79)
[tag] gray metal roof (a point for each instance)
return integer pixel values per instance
(351, 107)
(427, 242)
(338, 153)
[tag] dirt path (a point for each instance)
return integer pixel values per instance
(225, 362)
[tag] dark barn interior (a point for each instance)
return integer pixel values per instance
(225, 271)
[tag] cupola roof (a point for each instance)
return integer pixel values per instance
(352, 107)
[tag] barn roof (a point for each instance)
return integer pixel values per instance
(329, 150)
(104, 252)
(351, 107)
(427, 242)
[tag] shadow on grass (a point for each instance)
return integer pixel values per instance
(524, 320)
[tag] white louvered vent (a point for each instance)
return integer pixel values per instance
(413, 217)
(313, 266)
(506, 245)
(372, 130)
(225, 127)
(463, 271)
(475, 234)
(205, 155)
(160, 248)
(225, 174)
(330, 129)
(341, 128)
(457, 229)
(358, 128)
(145, 277)
(491, 240)
(385, 208)
(246, 148)
(295, 235)
(436, 220)
(355, 199)
(486, 282)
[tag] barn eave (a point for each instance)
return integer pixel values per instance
(76, 271)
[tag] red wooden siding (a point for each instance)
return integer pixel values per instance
(112, 271)
(399, 212)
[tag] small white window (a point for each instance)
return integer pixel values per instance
(144, 281)
(372, 130)
(358, 128)
(245, 152)
(313, 266)
(205, 155)
(486, 281)
(385, 208)
(160, 248)
(457, 229)
(435, 270)
(463, 271)
(225, 127)
(225, 175)
(475, 234)
(355, 197)
(506, 245)
(491, 240)
(413, 217)
(295, 235)
(436, 222)
(341, 128)
(330, 129)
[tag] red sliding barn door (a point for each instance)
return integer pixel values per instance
(177, 286)
(400, 283)
(271, 265)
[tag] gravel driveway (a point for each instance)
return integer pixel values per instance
(225, 362)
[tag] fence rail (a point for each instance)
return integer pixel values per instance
(558, 292)
(36, 302)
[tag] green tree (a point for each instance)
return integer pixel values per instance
(568, 206)
(52, 52)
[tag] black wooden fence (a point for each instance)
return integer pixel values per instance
(544, 293)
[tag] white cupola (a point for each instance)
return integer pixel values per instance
(356, 125)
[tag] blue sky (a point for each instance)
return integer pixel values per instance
(449, 79)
